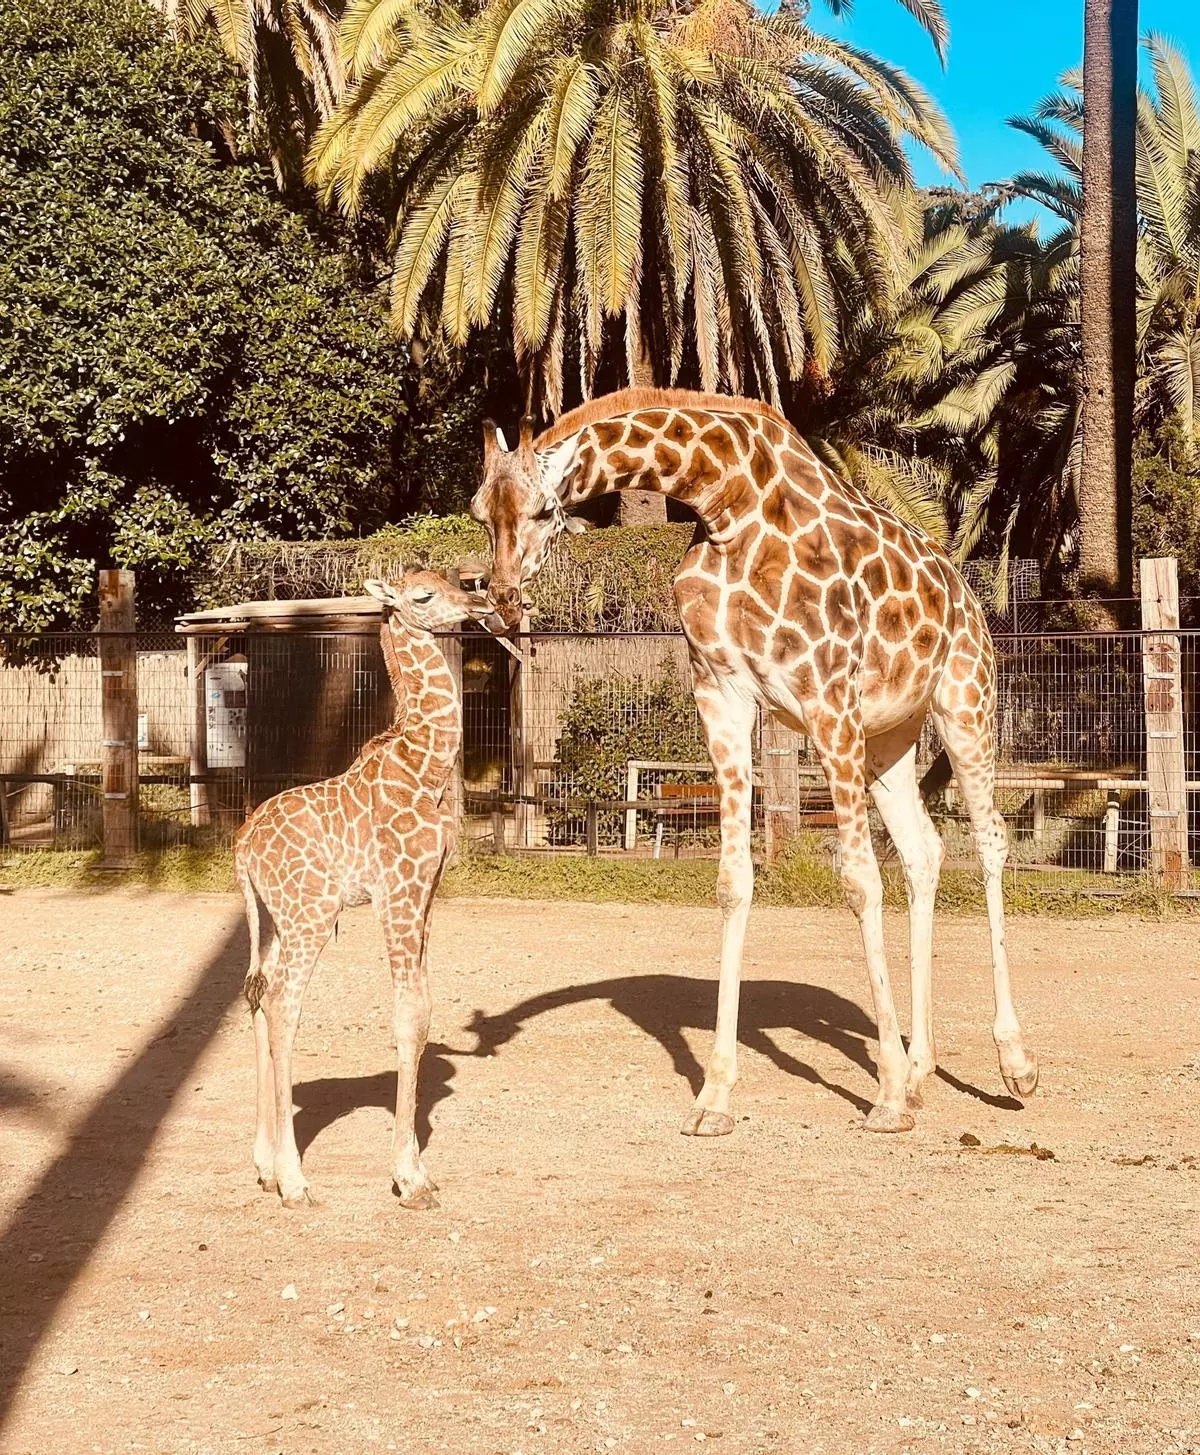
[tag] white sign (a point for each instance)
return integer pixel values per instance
(225, 713)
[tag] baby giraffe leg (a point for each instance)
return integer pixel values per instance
(404, 929)
(264, 1109)
(299, 950)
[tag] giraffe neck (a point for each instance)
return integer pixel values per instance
(717, 462)
(428, 727)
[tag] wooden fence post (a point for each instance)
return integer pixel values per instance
(117, 649)
(452, 647)
(780, 785)
(522, 757)
(198, 746)
(1165, 765)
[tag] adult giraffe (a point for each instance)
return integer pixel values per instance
(813, 600)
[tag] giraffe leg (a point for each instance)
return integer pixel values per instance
(970, 748)
(728, 718)
(892, 759)
(841, 747)
(404, 919)
(264, 1118)
(299, 949)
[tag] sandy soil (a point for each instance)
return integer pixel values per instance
(592, 1281)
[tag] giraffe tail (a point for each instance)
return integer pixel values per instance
(256, 982)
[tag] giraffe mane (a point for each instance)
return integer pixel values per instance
(629, 401)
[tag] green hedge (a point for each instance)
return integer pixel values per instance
(618, 579)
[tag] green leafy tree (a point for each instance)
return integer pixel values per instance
(681, 190)
(184, 359)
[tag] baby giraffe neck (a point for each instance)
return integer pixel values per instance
(428, 712)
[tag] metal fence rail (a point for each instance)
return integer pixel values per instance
(590, 744)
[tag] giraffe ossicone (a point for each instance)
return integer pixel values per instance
(813, 601)
(377, 833)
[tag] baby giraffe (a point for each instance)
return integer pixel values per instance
(378, 832)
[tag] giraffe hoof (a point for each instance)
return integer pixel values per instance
(420, 1199)
(301, 1199)
(701, 1122)
(914, 1098)
(1024, 1085)
(883, 1118)
(268, 1183)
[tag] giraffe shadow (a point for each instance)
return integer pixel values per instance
(665, 1006)
(326, 1099)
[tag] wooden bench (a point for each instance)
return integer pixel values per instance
(681, 801)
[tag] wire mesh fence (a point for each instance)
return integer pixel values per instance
(578, 744)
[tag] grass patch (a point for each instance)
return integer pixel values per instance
(179, 868)
(799, 880)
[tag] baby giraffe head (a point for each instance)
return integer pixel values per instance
(425, 601)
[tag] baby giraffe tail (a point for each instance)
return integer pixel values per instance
(256, 981)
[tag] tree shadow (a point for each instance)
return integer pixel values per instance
(58, 1225)
(326, 1099)
(24, 1098)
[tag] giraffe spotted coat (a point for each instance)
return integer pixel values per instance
(810, 599)
(378, 833)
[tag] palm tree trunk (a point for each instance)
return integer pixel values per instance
(641, 507)
(1108, 296)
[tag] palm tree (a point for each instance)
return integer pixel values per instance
(664, 189)
(1108, 289)
(288, 51)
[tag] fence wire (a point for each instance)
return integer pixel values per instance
(585, 744)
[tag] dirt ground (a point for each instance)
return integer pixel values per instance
(592, 1281)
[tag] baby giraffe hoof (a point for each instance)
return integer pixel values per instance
(301, 1199)
(702, 1122)
(882, 1118)
(266, 1180)
(1025, 1084)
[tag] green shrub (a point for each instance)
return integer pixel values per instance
(612, 719)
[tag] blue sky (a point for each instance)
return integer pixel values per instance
(1003, 58)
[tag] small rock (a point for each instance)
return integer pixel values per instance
(289, 1292)
(729, 1386)
(481, 1315)
(454, 1237)
(427, 1341)
(37, 1257)
(973, 1393)
(969, 1139)
(624, 1348)
(66, 1366)
(144, 1314)
(937, 1338)
(330, 1308)
(400, 1323)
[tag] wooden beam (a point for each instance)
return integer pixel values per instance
(780, 785)
(117, 650)
(1165, 763)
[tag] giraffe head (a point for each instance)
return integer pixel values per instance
(520, 500)
(425, 601)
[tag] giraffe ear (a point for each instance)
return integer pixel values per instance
(381, 591)
(556, 465)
